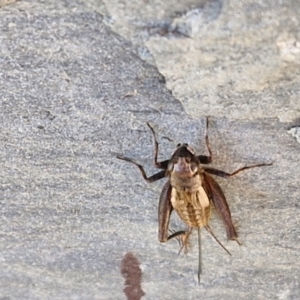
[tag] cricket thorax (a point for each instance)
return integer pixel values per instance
(193, 208)
(186, 184)
(188, 196)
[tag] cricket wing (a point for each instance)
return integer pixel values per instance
(164, 212)
(217, 197)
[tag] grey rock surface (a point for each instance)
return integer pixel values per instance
(74, 94)
(234, 58)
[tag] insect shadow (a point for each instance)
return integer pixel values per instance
(191, 192)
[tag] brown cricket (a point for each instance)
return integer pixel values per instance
(191, 191)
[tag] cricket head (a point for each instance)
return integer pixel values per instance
(184, 162)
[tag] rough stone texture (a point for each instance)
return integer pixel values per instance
(6, 2)
(74, 94)
(295, 132)
(235, 58)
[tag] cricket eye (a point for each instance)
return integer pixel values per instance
(178, 145)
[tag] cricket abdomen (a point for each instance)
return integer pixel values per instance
(192, 207)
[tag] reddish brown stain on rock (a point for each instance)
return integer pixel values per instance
(132, 273)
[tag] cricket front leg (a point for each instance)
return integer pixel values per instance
(206, 159)
(158, 164)
(152, 178)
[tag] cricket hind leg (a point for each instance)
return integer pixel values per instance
(183, 239)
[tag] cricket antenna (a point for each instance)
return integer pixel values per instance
(213, 235)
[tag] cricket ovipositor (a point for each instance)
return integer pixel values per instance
(191, 192)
